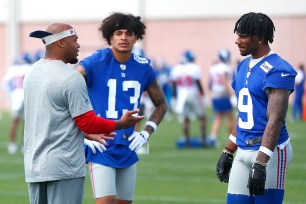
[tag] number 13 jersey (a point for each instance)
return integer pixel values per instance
(115, 88)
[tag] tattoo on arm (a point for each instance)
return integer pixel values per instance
(159, 100)
(276, 114)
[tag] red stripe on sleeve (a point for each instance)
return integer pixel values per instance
(91, 124)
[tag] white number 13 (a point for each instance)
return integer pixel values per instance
(126, 85)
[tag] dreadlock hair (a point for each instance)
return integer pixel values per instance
(118, 21)
(256, 24)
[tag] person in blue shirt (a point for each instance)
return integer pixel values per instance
(261, 141)
(115, 79)
(297, 108)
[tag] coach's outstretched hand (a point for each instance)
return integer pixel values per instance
(224, 166)
(128, 119)
(257, 179)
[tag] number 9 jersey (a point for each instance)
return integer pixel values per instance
(250, 87)
(115, 88)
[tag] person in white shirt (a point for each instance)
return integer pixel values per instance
(189, 94)
(220, 75)
(12, 84)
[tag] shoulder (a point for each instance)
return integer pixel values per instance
(243, 63)
(277, 64)
(193, 68)
(140, 60)
(98, 56)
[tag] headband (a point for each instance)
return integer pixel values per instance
(49, 38)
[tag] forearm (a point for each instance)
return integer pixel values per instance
(231, 145)
(159, 100)
(276, 113)
(91, 124)
(156, 117)
(199, 85)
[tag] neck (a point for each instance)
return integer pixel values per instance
(121, 57)
(264, 51)
(53, 55)
(51, 58)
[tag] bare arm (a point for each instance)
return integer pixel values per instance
(276, 113)
(230, 145)
(81, 69)
(227, 84)
(159, 100)
(199, 85)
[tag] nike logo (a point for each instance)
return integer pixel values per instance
(284, 75)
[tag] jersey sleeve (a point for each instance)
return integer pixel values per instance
(196, 72)
(89, 64)
(76, 96)
(149, 76)
(280, 79)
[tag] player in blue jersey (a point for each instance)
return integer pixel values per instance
(261, 141)
(116, 79)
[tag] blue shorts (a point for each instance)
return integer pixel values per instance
(222, 105)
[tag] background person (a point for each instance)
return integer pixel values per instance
(12, 83)
(297, 108)
(189, 96)
(220, 77)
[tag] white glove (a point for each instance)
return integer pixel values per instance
(93, 145)
(138, 139)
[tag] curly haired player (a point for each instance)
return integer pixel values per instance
(115, 79)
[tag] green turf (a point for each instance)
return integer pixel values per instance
(167, 175)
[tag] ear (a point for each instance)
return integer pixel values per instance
(261, 40)
(60, 43)
(111, 40)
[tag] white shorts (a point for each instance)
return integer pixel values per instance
(17, 104)
(276, 170)
(106, 181)
(193, 106)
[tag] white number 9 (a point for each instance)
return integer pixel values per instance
(245, 108)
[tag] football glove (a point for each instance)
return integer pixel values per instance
(257, 179)
(138, 139)
(93, 145)
(224, 166)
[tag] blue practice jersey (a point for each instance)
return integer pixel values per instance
(115, 88)
(250, 86)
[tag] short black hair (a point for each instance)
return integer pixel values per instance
(118, 21)
(258, 24)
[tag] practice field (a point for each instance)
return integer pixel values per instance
(167, 175)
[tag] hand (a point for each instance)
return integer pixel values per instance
(128, 120)
(93, 145)
(224, 166)
(138, 139)
(257, 179)
(100, 137)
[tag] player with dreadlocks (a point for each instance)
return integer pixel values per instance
(261, 141)
(115, 79)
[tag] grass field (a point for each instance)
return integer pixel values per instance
(167, 175)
